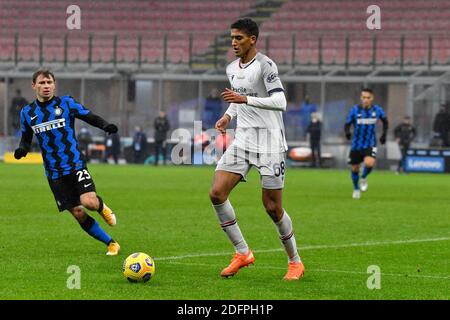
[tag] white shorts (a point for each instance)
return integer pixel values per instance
(271, 166)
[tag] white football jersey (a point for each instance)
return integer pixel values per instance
(258, 130)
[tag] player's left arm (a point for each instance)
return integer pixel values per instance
(385, 122)
(81, 112)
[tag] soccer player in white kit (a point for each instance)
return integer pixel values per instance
(257, 100)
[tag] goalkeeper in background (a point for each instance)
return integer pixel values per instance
(52, 119)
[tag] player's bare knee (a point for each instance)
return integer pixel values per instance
(369, 163)
(217, 196)
(271, 208)
(90, 203)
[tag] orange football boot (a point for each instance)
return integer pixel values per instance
(108, 215)
(239, 261)
(296, 270)
(113, 249)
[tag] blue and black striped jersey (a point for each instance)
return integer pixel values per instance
(364, 123)
(53, 124)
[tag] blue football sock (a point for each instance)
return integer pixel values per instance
(94, 230)
(366, 172)
(355, 179)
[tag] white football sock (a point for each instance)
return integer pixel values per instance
(227, 218)
(287, 237)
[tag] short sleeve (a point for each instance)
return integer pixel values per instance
(272, 81)
(381, 113)
(76, 108)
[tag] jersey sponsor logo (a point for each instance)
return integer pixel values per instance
(271, 78)
(50, 125)
(243, 91)
(32, 118)
(366, 121)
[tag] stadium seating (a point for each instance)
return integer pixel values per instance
(310, 20)
(103, 19)
(170, 24)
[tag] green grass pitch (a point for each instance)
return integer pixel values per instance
(400, 225)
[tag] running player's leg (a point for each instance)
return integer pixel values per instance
(221, 188)
(355, 180)
(354, 160)
(272, 201)
(67, 195)
(84, 186)
(232, 167)
(355, 176)
(91, 227)
(369, 163)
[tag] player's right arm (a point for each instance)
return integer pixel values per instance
(27, 137)
(348, 123)
(82, 113)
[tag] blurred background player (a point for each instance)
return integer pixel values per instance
(306, 109)
(162, 126)
(17, 103)
(112, 147)
(404, 134)
(257, 100)
(363, 117)
(441, 125)
(139, 145)
(314, 130)
(51, 119)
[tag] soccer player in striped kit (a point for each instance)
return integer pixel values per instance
(51, 119)
(363, 118)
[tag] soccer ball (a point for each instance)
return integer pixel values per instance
(138, 267)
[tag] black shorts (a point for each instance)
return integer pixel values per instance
(68, 189)
(357, 156)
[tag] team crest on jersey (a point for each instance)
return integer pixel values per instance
(374, 114)
(58, 111)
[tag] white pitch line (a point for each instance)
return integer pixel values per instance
(320, 270)
(312, 247)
